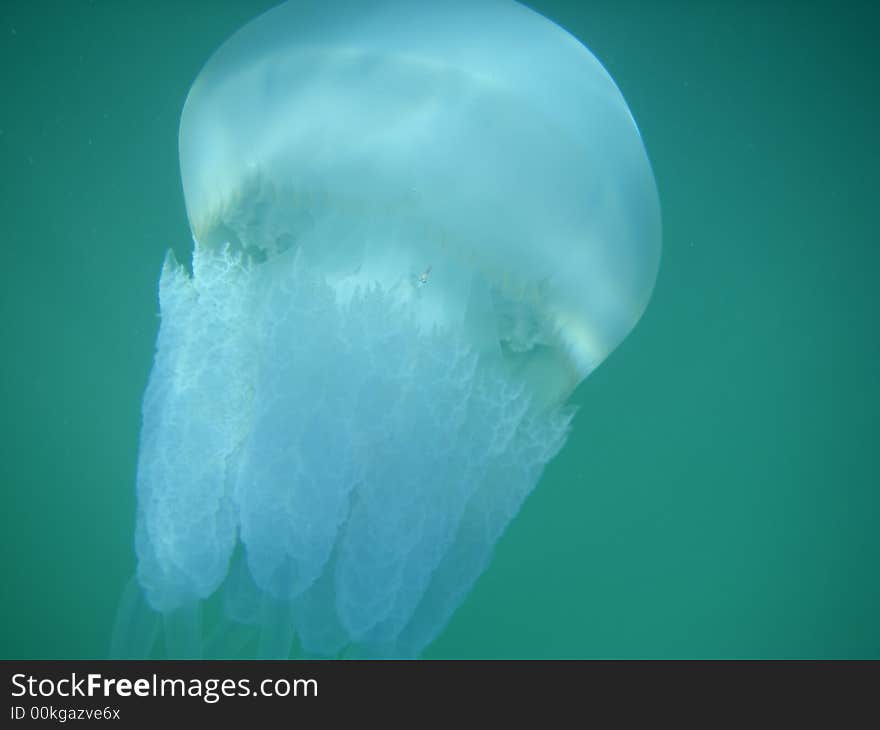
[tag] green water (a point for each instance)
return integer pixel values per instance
(718, 496)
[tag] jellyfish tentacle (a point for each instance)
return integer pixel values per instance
(182, 630)
(136, 626)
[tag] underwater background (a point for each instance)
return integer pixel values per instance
(718, 496)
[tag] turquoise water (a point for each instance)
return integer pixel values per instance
(719, 493)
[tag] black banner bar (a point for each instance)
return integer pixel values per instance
(148, 692)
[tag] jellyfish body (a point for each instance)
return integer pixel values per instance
(417, 226)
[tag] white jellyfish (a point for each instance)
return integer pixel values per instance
(417, 226)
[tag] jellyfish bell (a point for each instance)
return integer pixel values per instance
(492, 139)
(417, 226)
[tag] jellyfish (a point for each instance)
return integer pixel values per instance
(416, 226)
